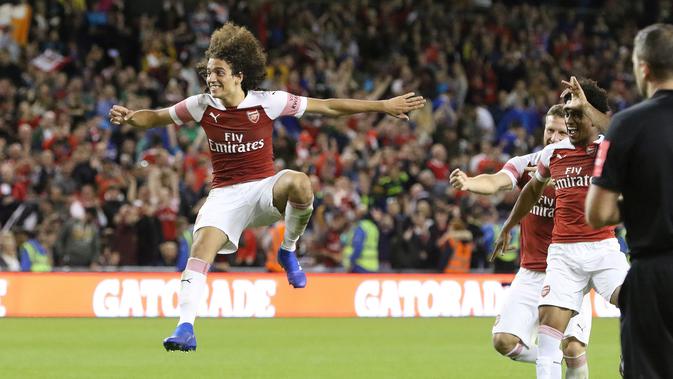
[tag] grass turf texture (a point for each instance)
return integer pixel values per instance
(274, 348)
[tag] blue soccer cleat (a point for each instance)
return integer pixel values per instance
(295, 275)
(183, 338)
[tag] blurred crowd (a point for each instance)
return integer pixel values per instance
(77, 192)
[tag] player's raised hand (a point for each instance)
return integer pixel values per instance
(458, 180)
(119, 115)
(578, 100)
(400, 105)
(501, 245)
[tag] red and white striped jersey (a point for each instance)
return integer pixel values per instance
(537, 226)
(571, 168)
(239, 138)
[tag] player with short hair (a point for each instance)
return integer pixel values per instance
(516, 325)
(579, 257)
(246, 191)
(636, 161)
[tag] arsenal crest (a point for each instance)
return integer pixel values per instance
(545, 290)
(253, 116)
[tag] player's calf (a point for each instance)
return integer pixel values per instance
(548, 363)
(575, 356)
(511, 346)
(504, 343)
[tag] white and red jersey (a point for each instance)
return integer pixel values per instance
(571, 168)
(537, 226)
(239, 138)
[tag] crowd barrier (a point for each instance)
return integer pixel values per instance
(123, 294)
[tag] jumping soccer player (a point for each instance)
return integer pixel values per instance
(238, 122)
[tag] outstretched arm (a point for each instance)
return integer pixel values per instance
(484, 184)
(142, 119)
(529, 195)
(396, 106)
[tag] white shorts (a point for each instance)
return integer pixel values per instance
(519, 315)
(574, 268)
(236, 207)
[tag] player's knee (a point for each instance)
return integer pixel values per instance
(504, 343)
(614, 298)
(206, 244)
(573, 348)
(301, 186)
(554, 317)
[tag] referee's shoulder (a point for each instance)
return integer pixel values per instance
(635, 113)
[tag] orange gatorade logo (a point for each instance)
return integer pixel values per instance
(80, 294)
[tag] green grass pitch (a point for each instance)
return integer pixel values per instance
(274, 348)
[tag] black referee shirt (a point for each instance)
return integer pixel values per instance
(639, 164)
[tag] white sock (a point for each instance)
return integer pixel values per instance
(296, 219)
(192, 284)
(522, 353)
(548, 363)
(577, 367)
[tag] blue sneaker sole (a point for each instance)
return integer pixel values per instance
(289, 274)
(293, 283)
(175, 346)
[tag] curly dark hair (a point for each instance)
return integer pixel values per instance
(237, 46)
(596, 95)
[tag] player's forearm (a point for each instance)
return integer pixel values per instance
(146, 119)
(601, 207)
(485, 184)
(599, 119)
(527, 198)
(343, 107)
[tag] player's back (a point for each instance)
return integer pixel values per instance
(642, 136)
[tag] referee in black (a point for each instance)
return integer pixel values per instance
(636, 161)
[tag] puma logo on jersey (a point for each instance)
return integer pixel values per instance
(559, 156)
(214, 116)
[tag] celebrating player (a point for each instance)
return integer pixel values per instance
(579, 257)
(517, 322)
(238, 122)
